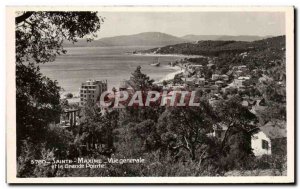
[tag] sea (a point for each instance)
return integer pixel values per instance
(113, 64)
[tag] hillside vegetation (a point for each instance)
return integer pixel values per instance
(215, 48)
(223, 37)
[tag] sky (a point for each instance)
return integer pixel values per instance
(197, 23)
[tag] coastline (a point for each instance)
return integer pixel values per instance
(161, 55)
(171, 75)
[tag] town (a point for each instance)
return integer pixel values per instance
(214, 85)
(166, 93)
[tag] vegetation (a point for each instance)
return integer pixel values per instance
(216, 48)
(173, 141)
(39, 38)
(69, 95)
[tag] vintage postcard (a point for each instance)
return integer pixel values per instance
(150, 95)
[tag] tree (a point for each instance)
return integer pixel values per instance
(141, 82)
(38, 104)
(239, 122)
(186, 128)
(146, 132)
(165, 83)
(39, 39)
(69, 95)
(177, 79)
(40, 35)
(114, 90)
(96, 131)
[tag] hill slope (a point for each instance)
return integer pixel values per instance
(223, 37)
(141, 39)
(214, 48)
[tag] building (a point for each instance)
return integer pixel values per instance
(265, 78)
(229, 89)
(195, 67)
(242, 68)
(266, 140)
(215, 77)
(219, 83)
(239, 82)
(276, 132)
(237, 73)
(69, 117)
(261, 144)
(219, 131)
(225, 77)
(211, 66)
(200, 81)
(92, 90)
(259, 105)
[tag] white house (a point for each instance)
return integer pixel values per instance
(261, 144)
(271, 134)
(239, 82)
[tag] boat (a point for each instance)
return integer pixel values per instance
(155, 63)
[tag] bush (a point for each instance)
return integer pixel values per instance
(69, 95)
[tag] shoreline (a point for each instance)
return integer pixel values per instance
(171, 75)
(177, 70)
(162, 55)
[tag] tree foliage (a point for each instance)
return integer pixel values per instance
(39, 39)
(140, 80)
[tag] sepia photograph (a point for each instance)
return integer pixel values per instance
(150, 95)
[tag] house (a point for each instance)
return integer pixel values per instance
(229, 89)
(259, 105)
(213, 102)
(261, 144)
(215, 76)
(219, 131)
(238, 73)
(242, 67)
(239, 82)
(189, 80)
(265, 78)
(244, 78)
(195, 67)
(245, 103)
(200, 81)
(276, 131)
(224, 77)
(214, 88)
(266, 140)
(211, 66)
(219, 83)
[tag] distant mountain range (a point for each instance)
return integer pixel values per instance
(141, 39)
(156, 39)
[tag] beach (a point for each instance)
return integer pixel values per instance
(167, 55)
(171, 76)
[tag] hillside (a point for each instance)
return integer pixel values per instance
(141, 39)
(157, 39)
(248, 38)
(215, 48)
